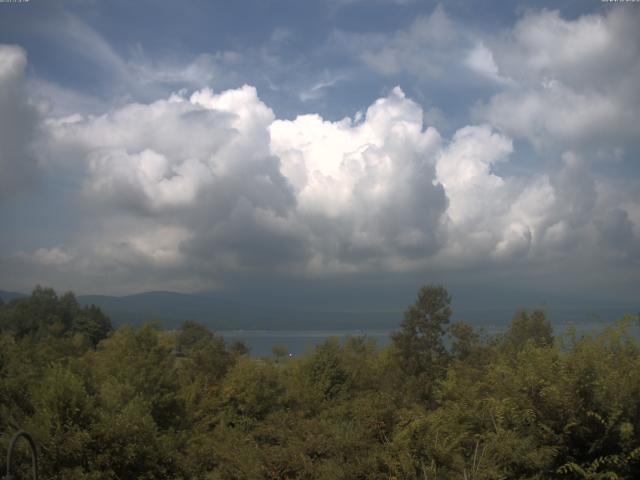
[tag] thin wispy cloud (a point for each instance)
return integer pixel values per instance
(318, 89)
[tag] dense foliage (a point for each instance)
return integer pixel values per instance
(442, 402)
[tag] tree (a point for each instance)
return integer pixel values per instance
(192, 334)
(325, 370)
(465, 341)
(527, 327)
(93, 323)
(251, 391)
(46, 315)
(420, 349)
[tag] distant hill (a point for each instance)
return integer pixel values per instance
(171, 309)
(8, 296)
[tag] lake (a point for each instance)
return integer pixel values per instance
(298, 342)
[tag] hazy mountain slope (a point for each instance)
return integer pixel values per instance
(8, 296)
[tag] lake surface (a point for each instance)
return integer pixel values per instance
(298, 342)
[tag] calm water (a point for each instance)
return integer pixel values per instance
(298, 342)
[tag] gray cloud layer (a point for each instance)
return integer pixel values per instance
(184, 191)
(18, 124)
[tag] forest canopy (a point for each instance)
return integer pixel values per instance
(442, 401)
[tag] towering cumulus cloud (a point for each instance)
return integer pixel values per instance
(241, 190)
(365, 187)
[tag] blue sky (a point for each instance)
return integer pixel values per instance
(339, 148)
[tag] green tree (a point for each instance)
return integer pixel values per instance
(419, 343)
(251, 390)
(465, 341)
(192, 334)
(45, 315)
(92, 323)
(63, 414)
(325, 373)
(529, 327)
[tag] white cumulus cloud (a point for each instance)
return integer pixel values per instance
(365, 188)
(574, 81)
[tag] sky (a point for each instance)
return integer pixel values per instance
(322, 153)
